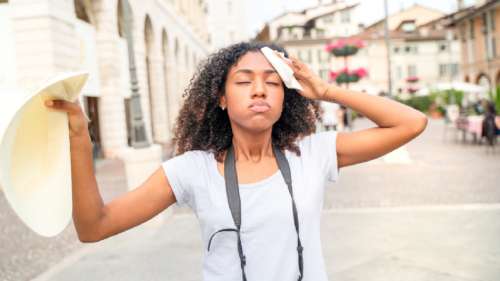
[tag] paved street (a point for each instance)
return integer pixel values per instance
(434, 218)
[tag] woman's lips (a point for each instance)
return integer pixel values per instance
(260, 106)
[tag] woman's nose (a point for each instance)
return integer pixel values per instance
(259, 88)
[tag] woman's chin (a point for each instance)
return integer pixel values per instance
(260, 126)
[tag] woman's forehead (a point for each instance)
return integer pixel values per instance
(255, 61)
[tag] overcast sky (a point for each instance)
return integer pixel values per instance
(260, 11)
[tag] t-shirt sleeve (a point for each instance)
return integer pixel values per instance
(322, 149)
(178, 171)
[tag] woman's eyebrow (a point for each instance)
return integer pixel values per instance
(249, 71)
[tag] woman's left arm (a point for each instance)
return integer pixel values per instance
(397, 123)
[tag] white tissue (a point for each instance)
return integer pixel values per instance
(284, 71)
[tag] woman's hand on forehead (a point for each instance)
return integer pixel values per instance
(314, 87)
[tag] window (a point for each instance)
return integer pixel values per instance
(491, 34)
(492, 19)
(484, 23)
(454, 69)
(399, 72)
(411, 49)
(345, 16)
(323, 73)
(395, 50)
(328, 19)
(471, 29)
(462, 29)
(442, 70)
(448, 70)
(309, 56)
(443, 47)
(320, 55)
(412, 70)
(408, 27)
(299, 55)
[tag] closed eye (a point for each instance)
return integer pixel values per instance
(243, 82)
(273, 83)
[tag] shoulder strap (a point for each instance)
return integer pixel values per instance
(233, 198)
(287, 175)
(232, 190)
(234, 202)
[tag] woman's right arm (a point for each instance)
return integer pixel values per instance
(93, 219)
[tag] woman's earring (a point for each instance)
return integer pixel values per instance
(223, 107)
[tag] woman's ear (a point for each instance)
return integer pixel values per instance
(223, 102)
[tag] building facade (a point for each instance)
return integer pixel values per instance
(227, 23)
(305, 33)
(478, 30)
(423, 52)
(168, 39)
(421, 45)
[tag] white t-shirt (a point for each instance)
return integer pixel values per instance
(268, 233)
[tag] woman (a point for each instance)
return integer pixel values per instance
(237, 106)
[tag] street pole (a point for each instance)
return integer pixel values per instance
(388, 47)
(138, 130)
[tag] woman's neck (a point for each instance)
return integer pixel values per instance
(252, 146)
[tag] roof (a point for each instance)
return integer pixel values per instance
(474, 11)
(334, 7)
(418, 20)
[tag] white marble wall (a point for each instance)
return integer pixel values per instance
(45, 43)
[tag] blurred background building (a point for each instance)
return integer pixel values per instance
(140, 56)
(305, 33)
(422, 46)
(478, 31)
(227, 22)
(423, 51)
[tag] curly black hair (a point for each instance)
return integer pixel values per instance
(203, 125)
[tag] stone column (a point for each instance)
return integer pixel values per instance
(112, 106)
(171, 87)
(159, 104)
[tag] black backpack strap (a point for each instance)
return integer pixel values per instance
(233, 198)
(287, 175)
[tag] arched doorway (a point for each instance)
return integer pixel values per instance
(124, 69)
(484, 81)
(497, 79)
(149, 44)
(166, 75)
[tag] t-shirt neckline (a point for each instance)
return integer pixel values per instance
(262, 182)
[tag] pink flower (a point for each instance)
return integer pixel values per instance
(412, 79)
(358, 43)
(341, 43)
(361, 72)
(333, 75)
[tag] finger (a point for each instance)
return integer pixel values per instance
(62, 105)
(296, 62)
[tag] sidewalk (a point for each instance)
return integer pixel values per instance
(452, 243)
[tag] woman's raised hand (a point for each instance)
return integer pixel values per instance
(314, 87)
(78, 122)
